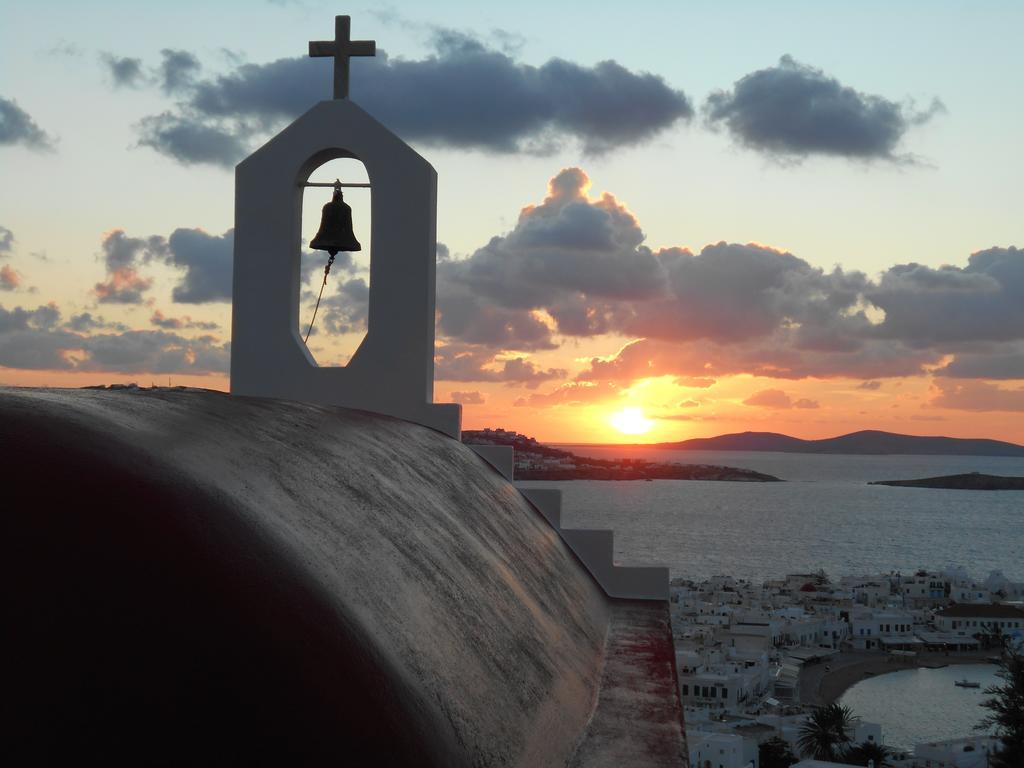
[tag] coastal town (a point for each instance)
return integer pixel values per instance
(536, 461)
(756, 661)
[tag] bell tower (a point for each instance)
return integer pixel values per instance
(392, 371)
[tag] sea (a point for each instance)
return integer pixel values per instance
(825, 516)
(919, 705)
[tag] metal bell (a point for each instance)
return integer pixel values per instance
(336, 227)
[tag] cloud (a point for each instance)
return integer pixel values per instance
(464, 95)
(697, 382)
(976, 396)
(463, 362)
(732, 292)
(124, 72)
(36, 340)
(574, 256)
(572, 393)
(18, 127)
(6, 241)
(178, 70)
(346, 311)
(777, 399)
(999, 362)
(9, 279)
(983, 301)
(207, 261)
(793, 110)
(85, 322)
(191, 142)
(870, 385)
(467, 398)
(575, 265)
(688, 404)
(123, 286)
(120, 250)
(160, 320)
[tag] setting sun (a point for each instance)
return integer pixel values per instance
(631, 421)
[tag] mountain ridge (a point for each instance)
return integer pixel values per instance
(864, 442)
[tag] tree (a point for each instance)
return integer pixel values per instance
(1006, 709)
(775, 753)
(824, 734)
(866, 751)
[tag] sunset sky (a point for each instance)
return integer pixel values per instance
(656, 221)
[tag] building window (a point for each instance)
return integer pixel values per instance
(725, 693)
(686, 690)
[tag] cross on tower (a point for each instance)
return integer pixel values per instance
(342, 48)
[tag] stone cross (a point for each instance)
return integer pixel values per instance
(342, 49)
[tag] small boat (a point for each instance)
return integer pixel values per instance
(967, 684)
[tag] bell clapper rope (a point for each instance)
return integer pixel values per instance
(327, 271)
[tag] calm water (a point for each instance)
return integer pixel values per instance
(826, 516)
(917, 705)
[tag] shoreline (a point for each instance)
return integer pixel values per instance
(818, 687)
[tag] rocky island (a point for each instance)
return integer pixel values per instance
(972, 481)
(535, 461)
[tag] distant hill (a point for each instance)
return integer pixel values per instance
(864, 442)
(973, 481)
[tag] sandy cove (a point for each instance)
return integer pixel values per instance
(818, 686)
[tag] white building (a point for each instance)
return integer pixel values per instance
(872, 630)
(971, 620)
(720, 750)
(712, 682)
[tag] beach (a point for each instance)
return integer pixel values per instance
(819, 686)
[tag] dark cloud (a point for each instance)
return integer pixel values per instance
(191, 142)
(731, 292)
(160, 320)
(154, 352)
(6, 241)
(120, 250)
(463, 362)
(178, 70)
(579, 259)
(121, 256)
(35, 339)
(207, 261)
(793, 110)
(18, 127)
(778, 400)
(576, 266)
(346, 310)
(467, 398)
(123, 285)
(998, 362)
(983, 301)
(124, 72)
(976, 396)
(86, 322)
(464, 95)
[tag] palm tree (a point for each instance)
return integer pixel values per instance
(824, 733)
(1006, 709)
(866, 751)
(775, 753)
